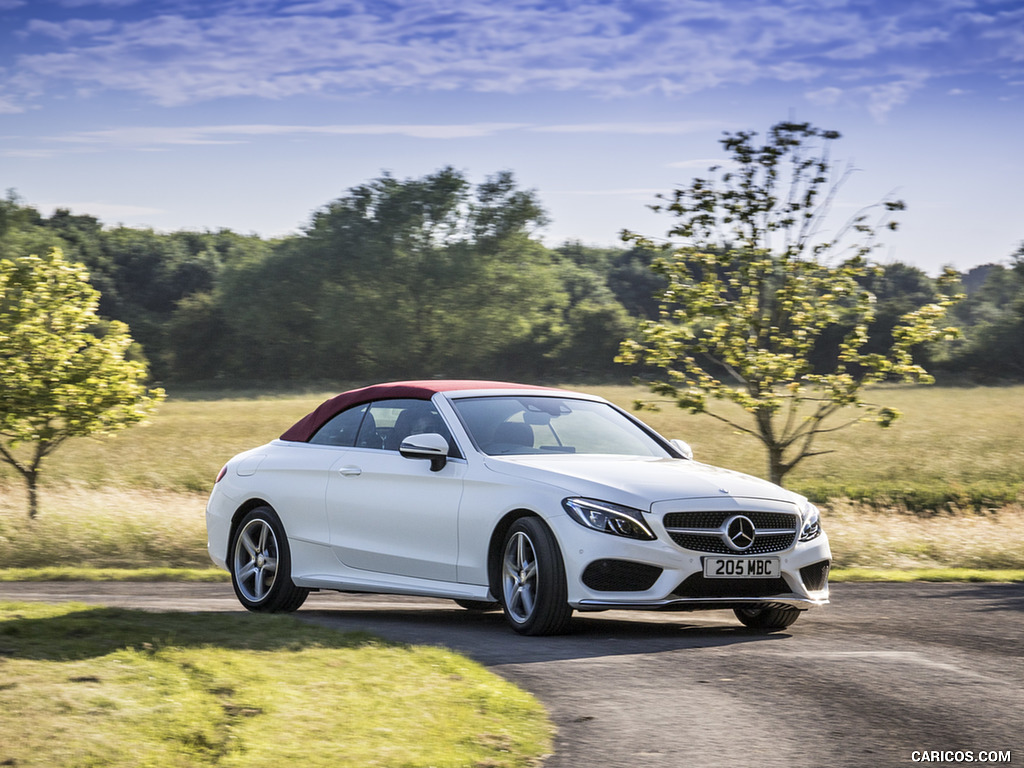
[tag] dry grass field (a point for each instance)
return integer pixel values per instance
(953, 446)
(942, 488)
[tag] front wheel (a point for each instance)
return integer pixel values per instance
(767, 619)
(533, 591)
(261, 565)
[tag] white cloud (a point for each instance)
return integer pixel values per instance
(650, 128)
(278, 50)
(71, 28)
(29, 154)
(1010, 36)
(645, 193)
(101, 3)
(8, 107)
(825, 96)
(153, 138)
(882, 99)
(144, 137)
(878, 98)
(702, 163)
(466, 131)
(148, 137)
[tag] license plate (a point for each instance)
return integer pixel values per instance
(742, 567)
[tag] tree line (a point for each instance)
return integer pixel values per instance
(435, 277)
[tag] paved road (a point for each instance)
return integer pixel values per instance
(885, 671)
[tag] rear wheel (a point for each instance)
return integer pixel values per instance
(533, 591)
(766, 618)
(261, 565)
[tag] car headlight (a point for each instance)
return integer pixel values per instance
(811, 522)
(609, 518)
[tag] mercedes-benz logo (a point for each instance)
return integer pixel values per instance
(739, 533)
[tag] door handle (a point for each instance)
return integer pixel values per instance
(351, 471)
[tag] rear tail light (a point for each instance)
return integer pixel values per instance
(220, 475)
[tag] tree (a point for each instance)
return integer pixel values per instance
(63, 374)
(594, 321)
(402, 278)
(992, 317)
(753, 286)
(23, 230)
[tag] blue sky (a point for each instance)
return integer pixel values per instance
(251, 114)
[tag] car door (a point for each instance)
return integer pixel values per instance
(393, 515)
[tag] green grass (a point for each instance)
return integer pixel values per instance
(86, 686)
(73, 573)
(849, 575)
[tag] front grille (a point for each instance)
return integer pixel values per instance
(815, 576)
(620, 576)
(702, 531)
(698, 586)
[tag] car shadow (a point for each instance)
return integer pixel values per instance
(359, 619)
(991, 597)
(487, 638)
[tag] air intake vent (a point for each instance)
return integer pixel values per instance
(815, 576)
(620, 576)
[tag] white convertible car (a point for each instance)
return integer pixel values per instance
(535, 500)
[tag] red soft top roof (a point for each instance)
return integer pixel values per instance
(307, 426)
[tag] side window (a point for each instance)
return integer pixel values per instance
(342, 429)
(394, 420)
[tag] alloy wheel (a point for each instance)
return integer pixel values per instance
(519, 577)
(256, 560)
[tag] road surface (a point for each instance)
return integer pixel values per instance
(889, 674)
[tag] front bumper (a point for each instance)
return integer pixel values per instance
(606, 572)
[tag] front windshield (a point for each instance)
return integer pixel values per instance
(542, 425)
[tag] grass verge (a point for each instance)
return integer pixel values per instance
(87, 686)
(864, 537)
(72, 573)
(110, 527)
(837, 575)
(129, 534)
(848, 575)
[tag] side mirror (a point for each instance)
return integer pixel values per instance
(429, 445)
(683, 448)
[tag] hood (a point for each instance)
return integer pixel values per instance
(638, 481)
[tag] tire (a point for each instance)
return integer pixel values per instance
(767, 619)
(533, 590)
(261, 565)
(479, 606)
